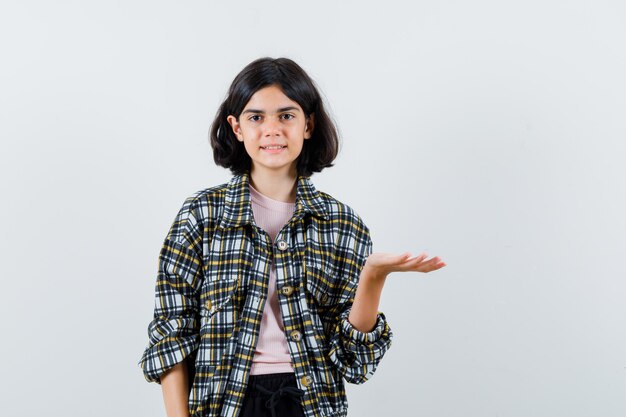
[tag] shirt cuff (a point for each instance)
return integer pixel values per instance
(357, 337)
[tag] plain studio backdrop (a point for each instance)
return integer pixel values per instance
(489, 133)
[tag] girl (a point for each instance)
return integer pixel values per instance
(267, 289)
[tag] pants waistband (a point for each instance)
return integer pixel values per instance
(273, 387)
(270, 382)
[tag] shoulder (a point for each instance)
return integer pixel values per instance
(342, 215)
(210, 195)
(206, 204)
(352, 242)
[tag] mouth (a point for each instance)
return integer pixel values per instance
(273, 147)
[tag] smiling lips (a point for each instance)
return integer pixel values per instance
(273, 148)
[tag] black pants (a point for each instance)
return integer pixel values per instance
(272, 395)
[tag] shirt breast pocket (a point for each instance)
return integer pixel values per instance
(327, 295)
(218, 317)
(327, 289)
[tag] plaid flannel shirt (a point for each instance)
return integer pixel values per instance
(211, 288)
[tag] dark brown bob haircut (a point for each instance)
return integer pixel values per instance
(318, 152)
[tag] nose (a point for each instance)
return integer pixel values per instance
(271, 126)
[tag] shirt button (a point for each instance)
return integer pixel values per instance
(208, 304)
(286, 290)
(282, 245)
(296, 336)
(306, 380)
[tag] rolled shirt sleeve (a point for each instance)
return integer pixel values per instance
(173, 331)
(356, 354)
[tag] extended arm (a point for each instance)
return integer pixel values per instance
(365, 307)
(372, 279)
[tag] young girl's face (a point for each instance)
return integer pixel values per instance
(271, 118)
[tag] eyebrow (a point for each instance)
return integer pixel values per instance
(282, 109)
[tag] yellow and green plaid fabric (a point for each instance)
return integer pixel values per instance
(211, 288)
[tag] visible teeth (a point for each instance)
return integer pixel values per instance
(273, 147)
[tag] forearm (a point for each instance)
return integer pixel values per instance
(176, 390)
(365, 307)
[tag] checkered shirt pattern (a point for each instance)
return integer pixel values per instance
(211, 287)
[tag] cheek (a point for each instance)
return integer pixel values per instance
(297, 148)
(250, 148)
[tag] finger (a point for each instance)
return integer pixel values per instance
(405, 255)
(420, 261)
(407, 264)
(437, 266)
(429, 265)
(418, 258)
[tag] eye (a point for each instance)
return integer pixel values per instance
(253, 116)
(289, 116)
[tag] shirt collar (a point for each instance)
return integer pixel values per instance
(238, 209)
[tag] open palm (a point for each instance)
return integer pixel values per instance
(382, 263)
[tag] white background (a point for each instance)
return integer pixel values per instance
(490, 133)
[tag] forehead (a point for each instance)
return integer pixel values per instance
(270, 98)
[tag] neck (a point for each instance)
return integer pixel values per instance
(279, 186)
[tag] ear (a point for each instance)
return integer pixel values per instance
(309, 126)
(234, 124)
